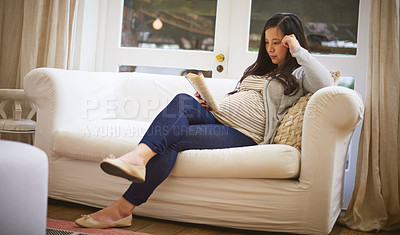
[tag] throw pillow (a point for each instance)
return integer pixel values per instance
(291, 127)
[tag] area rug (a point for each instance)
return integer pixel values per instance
(60, 227)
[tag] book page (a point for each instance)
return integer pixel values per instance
(199, 84)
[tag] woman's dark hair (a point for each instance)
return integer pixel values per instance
(289, 24)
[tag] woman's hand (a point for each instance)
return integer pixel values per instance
(202, 101)
(291, 42)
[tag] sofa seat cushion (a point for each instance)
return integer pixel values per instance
(95, 140)
(267, 161)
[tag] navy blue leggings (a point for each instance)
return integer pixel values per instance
(184, 124)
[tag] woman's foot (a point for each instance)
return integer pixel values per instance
(130, 166)
(119, 214)
(138, 157)
(117, 167)
(87, 221)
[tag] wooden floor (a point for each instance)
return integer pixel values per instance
(69, 211)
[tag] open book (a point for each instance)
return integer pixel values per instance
(199, 84)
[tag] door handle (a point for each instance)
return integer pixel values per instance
(220, 57)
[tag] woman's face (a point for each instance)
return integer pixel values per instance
(273, 45)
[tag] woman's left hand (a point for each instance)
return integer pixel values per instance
(291, 42)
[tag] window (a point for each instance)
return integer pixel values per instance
(346, 81)
(179, 34)
(131, 40)
(179, 24)
(330, 26)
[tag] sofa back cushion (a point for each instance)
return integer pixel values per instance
(143, 96)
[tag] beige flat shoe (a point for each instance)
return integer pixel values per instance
(88, 222)
(115, 166)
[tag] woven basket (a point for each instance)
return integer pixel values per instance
(291, 128)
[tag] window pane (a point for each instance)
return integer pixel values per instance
(163, 70)
(347, 81)
(169, 24)
(330, 26)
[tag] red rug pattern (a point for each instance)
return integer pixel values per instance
(71, 226)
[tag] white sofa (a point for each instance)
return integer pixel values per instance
(82, 117)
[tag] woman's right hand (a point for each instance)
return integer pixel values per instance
(202, 101)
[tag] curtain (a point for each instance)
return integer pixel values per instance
(375, 204)
(11, 15)
(35, 33)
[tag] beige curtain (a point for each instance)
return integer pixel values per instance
(34, 33)
(375, 204)
(11, 15)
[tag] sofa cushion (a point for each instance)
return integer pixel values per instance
(291, 127)
(276, 161)
(143, 97)
(95, 140)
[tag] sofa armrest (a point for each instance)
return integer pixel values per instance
(64, 97)
(330, 118)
